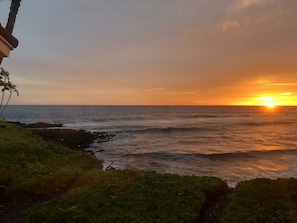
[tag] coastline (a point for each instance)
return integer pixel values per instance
(71, 138)
(14, 206)
(11, 205)
(232, 143)
(45, 180)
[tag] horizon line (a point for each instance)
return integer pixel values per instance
(146, 105)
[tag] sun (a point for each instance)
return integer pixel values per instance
(270, 105)
(271, 100)
(268, 102)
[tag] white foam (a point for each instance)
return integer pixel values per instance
(107, 165)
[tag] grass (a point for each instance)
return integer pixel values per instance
(263, 200)
(132, 196)
(28, 164)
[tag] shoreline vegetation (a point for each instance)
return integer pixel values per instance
(41, 179)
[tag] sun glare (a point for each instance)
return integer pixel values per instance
(268, 102)
(271, 101)
(270, 105)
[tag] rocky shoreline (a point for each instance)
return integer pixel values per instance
(71, 138)
(11, 207)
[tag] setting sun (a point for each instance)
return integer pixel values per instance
(268, 102)
(270, 106)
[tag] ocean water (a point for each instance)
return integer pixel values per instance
(233, 143)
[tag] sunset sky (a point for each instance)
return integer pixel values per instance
(154, 52)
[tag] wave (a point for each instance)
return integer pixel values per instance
(253, 154)
(220, 115)
(167, 130)
(264, 123)
(203, 127)
(247, 154)
(190, 116)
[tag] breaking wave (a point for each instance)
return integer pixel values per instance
(253, 154)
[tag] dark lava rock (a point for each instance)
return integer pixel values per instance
(74, 139)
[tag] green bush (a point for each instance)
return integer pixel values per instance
(263, 200)
(132, 196)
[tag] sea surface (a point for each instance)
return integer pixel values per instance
(230, 142)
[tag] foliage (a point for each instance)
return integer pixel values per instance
(131, 196)
(6, 85)
(28, 164)
(263, 200)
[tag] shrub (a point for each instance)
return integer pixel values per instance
(28, 164)
(132, 196)
(263, 200)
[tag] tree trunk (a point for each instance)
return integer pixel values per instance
(14, 8)
(5, 105)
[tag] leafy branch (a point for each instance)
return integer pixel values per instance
(6, 85)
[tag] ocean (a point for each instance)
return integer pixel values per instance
(233, 143)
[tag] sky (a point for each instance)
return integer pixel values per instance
(157, 52)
